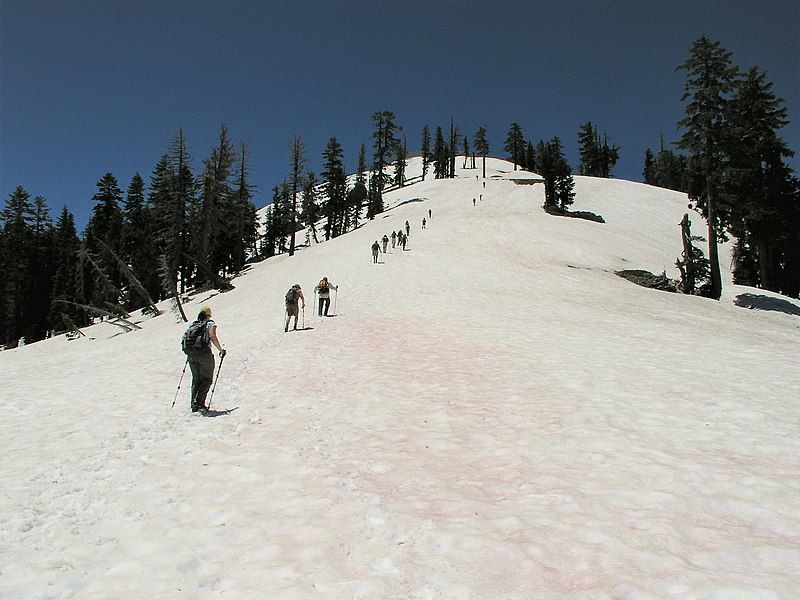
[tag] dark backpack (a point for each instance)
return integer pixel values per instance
(195, 338)
(323, 287)
(291, 296)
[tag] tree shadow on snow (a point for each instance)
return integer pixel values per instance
(759, 302)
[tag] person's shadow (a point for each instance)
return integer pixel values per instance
(759, 302)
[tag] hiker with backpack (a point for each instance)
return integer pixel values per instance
(394, 238)
(196, 343)
(403, 239)
(408, 228)
(423, 222)
(293, 297)
(324, 290)
(385, 241)
(375, 250)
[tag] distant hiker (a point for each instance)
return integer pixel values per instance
(484, 185)
(385, 241)
(429, 213)
(481, 198)
(324, 290)
(408, 228)
(423, 222)
(196, 344)
(293, 297)
(403, 240)
(473, 202)
(394, 238)
(375, 249)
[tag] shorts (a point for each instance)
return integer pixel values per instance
(292, 310)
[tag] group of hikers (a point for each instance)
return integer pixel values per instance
(398, 239)
(202, 333)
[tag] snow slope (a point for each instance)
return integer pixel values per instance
(491, 414)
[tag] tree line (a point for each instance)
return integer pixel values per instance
(191, 229)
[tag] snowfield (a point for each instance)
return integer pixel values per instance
(491, 414)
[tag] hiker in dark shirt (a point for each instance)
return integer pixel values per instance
(375, 250)
(293, 298)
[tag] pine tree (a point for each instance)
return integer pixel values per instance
(103, 278)
(401, 162)
(385, 143)
(709, 84)
(426, 150)
(243, 231)
(139, 249)
(588, 150)
(453, 147)
(439, 155)
(66, 244)
(334, 180)
(310, 207)
(647, 172)
(554, 168)
(465, 147)
(17, 217)
(358, 195)
(41, 272)
(297, 156)
(482, 146)
(515, 144)
(530, 157)
(759, 183)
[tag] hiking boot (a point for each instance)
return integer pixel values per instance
(286, 329)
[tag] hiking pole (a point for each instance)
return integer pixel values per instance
(216, 379)
(314, 306)
(304, 316)
(335, 298)
(180, 382)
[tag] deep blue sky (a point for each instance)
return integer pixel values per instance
(91, 87)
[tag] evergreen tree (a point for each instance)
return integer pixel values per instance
(557, 173)
(439, 155)
(17, 217)
(426, 150)
(297, 155)
(759, 186)
(482, 146)
(465, 147)
(358, 195)
(104, 231)
(647, 172)
(400, 164)
(515, 144)
(41, 272)
(385, 143)
(138, 248)
(530, 157)
(310, 208)
(243, 232)
(66, 244)
(587, 150)
(709, 84)
(453, 146)
(173, 199)
(211, 222)
(334, 180)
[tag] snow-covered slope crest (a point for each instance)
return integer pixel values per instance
(491, 414)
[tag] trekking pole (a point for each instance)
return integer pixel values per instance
(335, 298)
(304, 316)
(314, 306)
(180, 382)
(216, 379)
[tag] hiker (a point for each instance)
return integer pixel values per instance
(375, 249)
(423, 222)
(403, 240)
(408, 228)
(394, 238)
(324, 290)
(293, 297)
(429, 214)
(473, 202)
(385, 241)
(197, 345)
